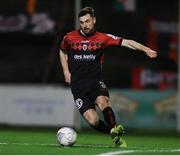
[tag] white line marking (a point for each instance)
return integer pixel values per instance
(140, 151)
(41, 144)
(118, 152)
(121, 151)
(27, 144)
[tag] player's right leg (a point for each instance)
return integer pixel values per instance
(92, 118)
(87, 109)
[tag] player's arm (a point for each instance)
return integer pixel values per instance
(138, 46)
(64, 63)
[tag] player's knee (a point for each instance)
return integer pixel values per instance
(91, 118)
(93, 121)
(102, 102)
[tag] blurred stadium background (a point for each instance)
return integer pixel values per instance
(144, 92)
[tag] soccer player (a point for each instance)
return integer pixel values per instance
(81, 54)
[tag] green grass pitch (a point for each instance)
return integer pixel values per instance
(43, 142)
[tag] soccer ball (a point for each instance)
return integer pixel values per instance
(66, 136)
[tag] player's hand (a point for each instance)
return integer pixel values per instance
(67, 76)
(151, 53)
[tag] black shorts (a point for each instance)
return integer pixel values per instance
(86, 99)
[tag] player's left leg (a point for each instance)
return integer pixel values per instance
(104, 105)
(100, 94)
(109, 117)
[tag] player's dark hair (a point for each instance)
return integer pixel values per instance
(86, 10)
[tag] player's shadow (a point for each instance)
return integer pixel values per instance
(84, 146)
(94, 146)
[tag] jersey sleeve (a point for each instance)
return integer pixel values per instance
(64, 44)
(111, 40)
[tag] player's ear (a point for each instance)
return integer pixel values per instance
(94, 20)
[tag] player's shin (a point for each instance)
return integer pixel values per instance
(102, 127)
(109, 117)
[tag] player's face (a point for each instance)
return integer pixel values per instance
(87, 23)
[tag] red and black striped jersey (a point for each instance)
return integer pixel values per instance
(85, 54)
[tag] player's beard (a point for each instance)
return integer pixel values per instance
(87, 31)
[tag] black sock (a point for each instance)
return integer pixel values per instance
(109, 117)
(102, 127)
